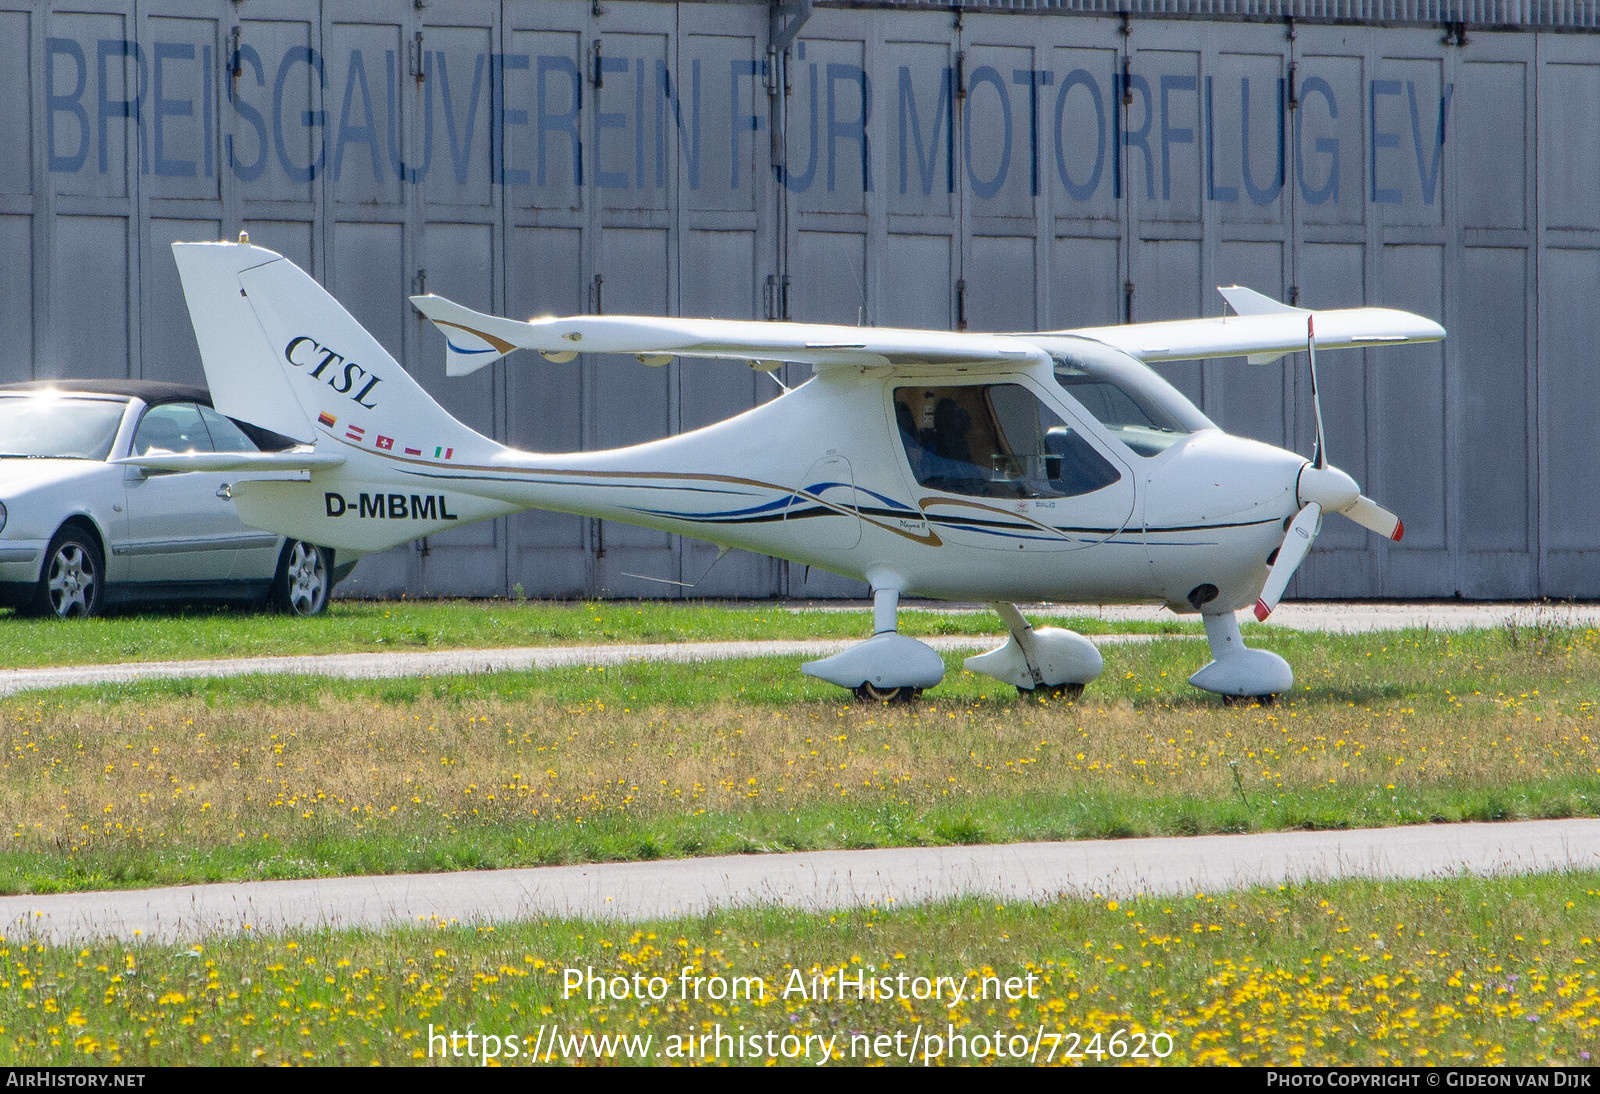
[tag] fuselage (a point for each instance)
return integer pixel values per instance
(1088, 481)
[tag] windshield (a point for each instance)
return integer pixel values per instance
(1138, 407)
(53, 427)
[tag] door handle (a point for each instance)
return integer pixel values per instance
(225, 491)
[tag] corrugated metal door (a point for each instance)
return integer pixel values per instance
(716, 173)
(828, 179)
(443, 67)
(629, 402)
(1568, 319)
(537, 104)
(1490, 310)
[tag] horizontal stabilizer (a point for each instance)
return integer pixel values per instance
(470, 338)
(292, 460)
(475, 339)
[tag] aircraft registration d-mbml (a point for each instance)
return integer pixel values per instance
(993, 467)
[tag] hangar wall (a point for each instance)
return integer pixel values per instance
(1017, 166)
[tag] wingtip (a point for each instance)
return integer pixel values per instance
(1262, 611)
(1399, 530)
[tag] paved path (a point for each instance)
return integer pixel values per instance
(810, 880)
(357, 666)
(1308, 615)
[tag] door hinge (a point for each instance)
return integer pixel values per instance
(775, 297)
(419, 283)
(597, 300)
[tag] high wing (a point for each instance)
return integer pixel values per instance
(1263, 330)
(473, 340)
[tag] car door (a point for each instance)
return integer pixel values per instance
(256, 558)
(183, 529)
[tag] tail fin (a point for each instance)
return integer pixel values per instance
(281, 353)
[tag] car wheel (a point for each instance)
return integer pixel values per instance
(304, 579)
(70, 582)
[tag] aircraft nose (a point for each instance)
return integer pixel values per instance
(1328, 486)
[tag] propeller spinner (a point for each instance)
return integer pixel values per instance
(1320, 488)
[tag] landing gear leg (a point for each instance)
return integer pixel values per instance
(1046, 662)
(1236, 671)
(888, 667)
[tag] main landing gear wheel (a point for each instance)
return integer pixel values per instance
(303, 580)
(1246, 700)
(1065, 692)
(69, 586)
(871, 693)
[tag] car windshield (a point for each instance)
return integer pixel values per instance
(1140, 409)
(49, 426)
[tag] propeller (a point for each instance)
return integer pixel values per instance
(1320, 488)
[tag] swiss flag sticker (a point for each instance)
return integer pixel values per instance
(385, 443)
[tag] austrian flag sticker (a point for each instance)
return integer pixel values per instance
(355, 432)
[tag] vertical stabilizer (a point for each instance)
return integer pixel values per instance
(282, 353)
(240, 366)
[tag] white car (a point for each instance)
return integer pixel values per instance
(79, 532)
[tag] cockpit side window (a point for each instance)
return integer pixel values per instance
(997, 441)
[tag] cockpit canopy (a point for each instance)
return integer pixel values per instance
(1135, 405)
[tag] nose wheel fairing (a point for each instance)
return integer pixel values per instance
(1236, 670)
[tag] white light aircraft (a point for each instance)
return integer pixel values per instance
(992, 467)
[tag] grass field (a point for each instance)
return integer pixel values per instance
(260, 777)
(203, 780)
(365, 626)
(1465, 972)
